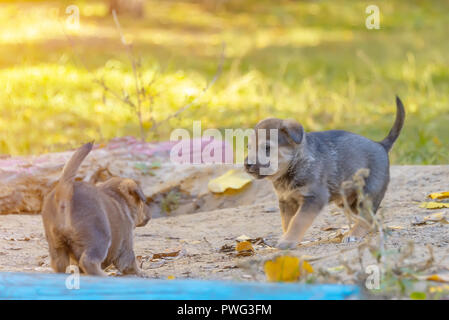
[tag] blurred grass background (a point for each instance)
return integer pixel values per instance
(314, 61)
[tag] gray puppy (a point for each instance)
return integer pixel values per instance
(92, 225)
(312, 167)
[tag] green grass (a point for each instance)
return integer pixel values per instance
(310, 60)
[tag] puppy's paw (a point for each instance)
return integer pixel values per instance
(350, 239)
(284, 244)
(140, 273)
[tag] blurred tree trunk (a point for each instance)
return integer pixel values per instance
(131, 7)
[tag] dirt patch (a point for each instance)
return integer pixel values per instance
(199, 237)
(171, 188)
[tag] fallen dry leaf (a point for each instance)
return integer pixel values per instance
(244, 253)
(431, 219)
(336, 269)
(230, 267)
(307, 267)
(438, 278)
(244, 248)
(434, 205)
(336, 237)
(417, 221)
(395, 227)
(283, 269)
(233, 179)
(329, 228)
(256, 241)
(227, 248)
(166, 254)
(435, 277)
(439, 195)
(18, 239)
(435, 217)
(286, 269)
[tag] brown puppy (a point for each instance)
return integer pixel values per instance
(92, 225)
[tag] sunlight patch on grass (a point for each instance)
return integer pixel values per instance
(312, 61)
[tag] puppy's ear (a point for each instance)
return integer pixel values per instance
(130, 187)
(293, 131)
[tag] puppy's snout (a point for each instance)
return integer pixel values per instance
(144, 222)
(144, 215)
(252, 168)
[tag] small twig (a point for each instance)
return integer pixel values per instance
(137, 104)
(107, 89)
(203, 92)
(208, 243)
(72, 45)
(135, 73)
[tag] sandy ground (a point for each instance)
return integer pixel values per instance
(200, 236)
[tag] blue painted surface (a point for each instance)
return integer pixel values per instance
(53, 286)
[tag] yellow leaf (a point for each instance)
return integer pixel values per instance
(434, 205)
(336, 269)
(442, 277)
(233, 179)
(170, 277)
(435, 217)
(286, 269)
(439, 289)
(438, 278)
(244, 246)
(434, 277)
(439, 195)
(435, 289)
(307, 267)
(283, 269)
(395, 227)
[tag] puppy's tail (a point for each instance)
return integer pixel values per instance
(71, 167)
(388, 142)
